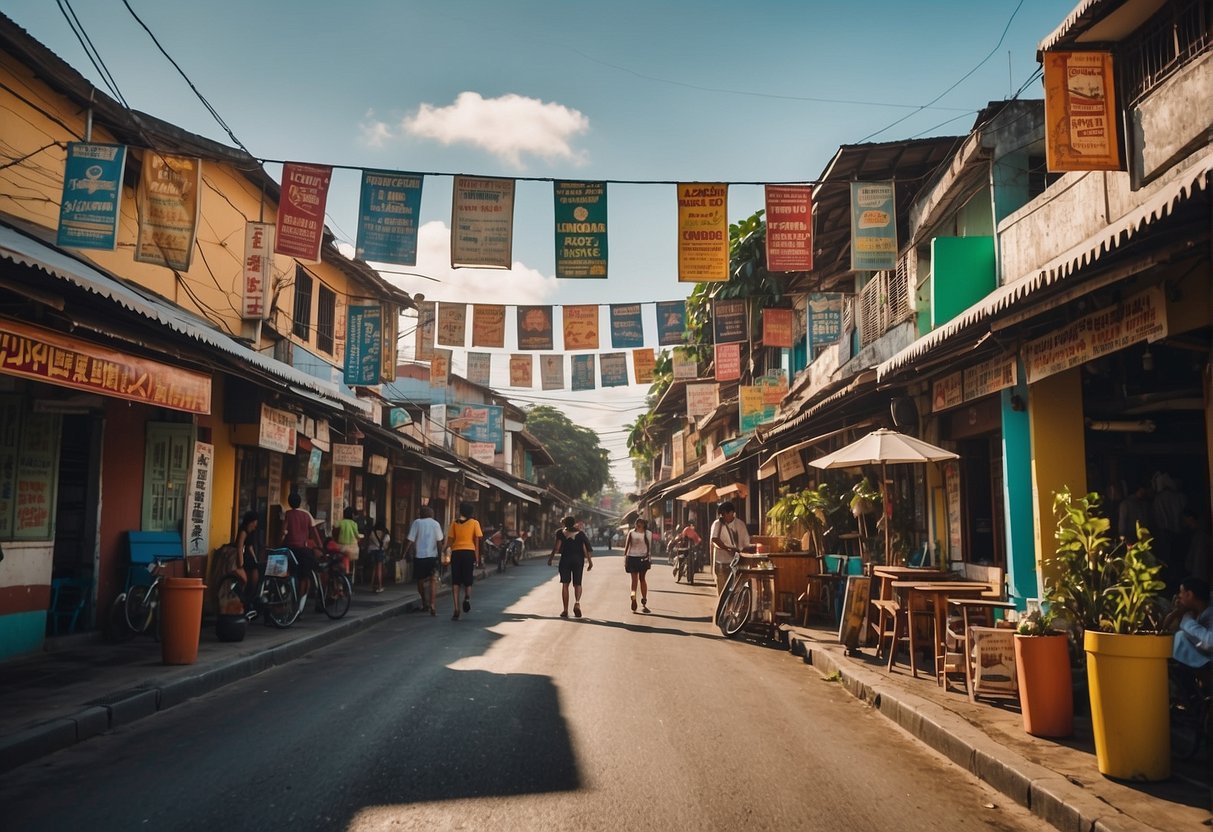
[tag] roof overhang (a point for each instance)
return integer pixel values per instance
(1099, 21)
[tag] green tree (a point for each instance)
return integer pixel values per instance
(582, 466)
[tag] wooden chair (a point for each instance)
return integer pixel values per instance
(911, 622)
(816, 596)
(965, 613)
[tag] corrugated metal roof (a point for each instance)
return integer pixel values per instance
(29, 251)
(1110, 238)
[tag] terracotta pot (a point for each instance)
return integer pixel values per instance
(1042, 666)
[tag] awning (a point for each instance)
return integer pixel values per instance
(507, 488)
(28, 251)
(738, 489)
(704, 493)
(1065, 265)
(771, 465)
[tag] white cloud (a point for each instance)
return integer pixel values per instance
(374, 132)
(510, 127)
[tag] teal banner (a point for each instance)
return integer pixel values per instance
(581, 229)
(583, 372)
(627, 327)
(671, 323)
(873, 226)
(92, 195)
(388, 217)
(363, 352)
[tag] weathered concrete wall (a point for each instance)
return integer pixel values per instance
(1172, 119)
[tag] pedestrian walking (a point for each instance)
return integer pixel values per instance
(464, 541)
(376, 549)
(574, 548)
(637, 559)
(729, 536)
(425, 540)
(346, 536)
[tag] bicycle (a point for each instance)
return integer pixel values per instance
(735, 607)
(331, 588)
(276, 595)
(141, 606)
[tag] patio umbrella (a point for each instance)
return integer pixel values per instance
(884, 447)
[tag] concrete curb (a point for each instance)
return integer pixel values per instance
(125, 707)
(1045, 793)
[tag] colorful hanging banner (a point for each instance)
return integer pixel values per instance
(750, 409)
(873, 226)
(440, 368)
(480, 366)
(777, 328)
(789, 228)
(581, 327)
(452, 324)
(389, 211)
(627, 328)
(581, 229)
(703, 233)
(551, 372)
(686, 365)
(92, 196)
(535, 328)
(363, 345)
(583, 372)
(729, 321)
(1080, 112)
(482, 222)
(824, 319)
(427, 316)
(774, 384)
(522, 368)
(169, 194)
(671, 322)
(300, 229)
(643, 362)
(702, 399)
(728, 362)
(488, 325)
(478, 423)
(258, 265)
(613, 368)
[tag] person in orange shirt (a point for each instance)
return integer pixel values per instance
(464, 542)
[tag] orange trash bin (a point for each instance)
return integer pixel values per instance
(180, 619)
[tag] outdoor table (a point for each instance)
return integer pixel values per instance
(882, 600)
(935, 593)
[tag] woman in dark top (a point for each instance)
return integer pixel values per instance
(574, 548)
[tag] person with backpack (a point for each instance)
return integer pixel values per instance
(574, 548)
(637, 558)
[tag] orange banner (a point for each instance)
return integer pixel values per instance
(488, 325)
(522, 368)
(1080, 112)
(643, 362)
(581, 327)
(45, 355)
(452, 324)
(703, 233)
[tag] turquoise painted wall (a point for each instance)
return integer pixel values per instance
(1018, 505)
(21, 633)
(962, 273)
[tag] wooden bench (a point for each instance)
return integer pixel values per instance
(144, 548)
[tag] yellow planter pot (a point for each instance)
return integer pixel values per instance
(1127, 675)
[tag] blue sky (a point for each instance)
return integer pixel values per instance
(628, 90)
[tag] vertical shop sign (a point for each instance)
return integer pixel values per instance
(777, 328)
(482, 222)
(749, 408)
(388, 214)
(1080, 112)
(702, 399)
(300, 229)
(729, 321)
(92, 196)
(522, 368)
(427, 315)
(825, 319)
(583, 372)
(643, 364)
(789, 228)
(363, 348)
(613, 368)
(437, 425)
(480, 365)
(728, 362)
(551, 372)
(258, 262)
(390, 339)
(196, 528)
(627, 328)
(440, 368)
(873, 226)
(169, 194)
(488, 325)
(703, 233)
(452, 324)
(277, 430)
(580, 327)
(535, 328)
(671, 323)
(581, 229)
(312, 467)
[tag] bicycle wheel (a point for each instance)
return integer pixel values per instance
(736, 612)
(337, 593)
(140, 606)
(279, 597)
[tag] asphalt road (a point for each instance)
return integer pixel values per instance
(512, 718)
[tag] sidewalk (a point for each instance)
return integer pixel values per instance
(1057, 779)
(84, 686)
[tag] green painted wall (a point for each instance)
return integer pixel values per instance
(1018, 507)
(962, 273)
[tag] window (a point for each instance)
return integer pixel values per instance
(884, 301)
(302, 318)
(1171, 39)
(326, 305)
(165, 469)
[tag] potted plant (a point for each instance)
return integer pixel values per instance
(802, 515)
(1110, 594)
(1042, 667)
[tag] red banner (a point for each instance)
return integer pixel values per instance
(789, 228)
(728, 362)
(777, 328)
(300, 231)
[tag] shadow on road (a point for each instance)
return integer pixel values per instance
(635, 628)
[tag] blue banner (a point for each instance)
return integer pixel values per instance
(627, 329)
(873, 226)
(583, 372)
(92, 195)
(671, 323)
(613, 367)
(824, 319)
(388, 215)
(363, 352)
(478, 423)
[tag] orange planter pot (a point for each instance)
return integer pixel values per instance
(1042, 665)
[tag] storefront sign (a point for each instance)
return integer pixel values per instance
(703, 232)
(789, 465)
(168, 199)
(581, 229)
(348, 455)
(311, 471)
(749, 407)
(437, 427)
(993, 659)
(728, 362)
(947, 392)
(1142, 317)
(92, 196)
(47, 356)
(376, 464)
(258, 269)
(777, 328)
(278, 430)
(482, 452)
(1080, 111)
(789, 228)
(300, 229)
(427, 317)
(196, 528)
(686, 367)
(824, 312)
(478, 423)
(321, 436)
(482, 222)
(677, 453)
(774, 390)
(873, 226)
(729, 321)
(388, 216)
(440, 368)
(989, 377)
(398, 417)
(854, 605)
(702, 399)
(951, 479)
(470, 494)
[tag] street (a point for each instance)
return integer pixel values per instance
(515, 719)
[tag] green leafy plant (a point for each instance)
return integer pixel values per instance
(796, 513)
(1039, 622)
(865, 498)
(1095, 581)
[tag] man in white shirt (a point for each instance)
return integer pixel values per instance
(728, 535)
(425, 540)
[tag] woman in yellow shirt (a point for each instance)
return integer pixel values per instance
(464, 542)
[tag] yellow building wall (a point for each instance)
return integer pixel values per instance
(1055, 418)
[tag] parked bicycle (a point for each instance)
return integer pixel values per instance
(331, 588)
(735, 607)
(141, 606)
(276, 595)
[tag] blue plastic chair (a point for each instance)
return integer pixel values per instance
(69, 598)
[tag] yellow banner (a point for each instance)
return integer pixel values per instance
(169, 195)
(1080, 112)
(703, 233)
(488, 325)
(643, 362)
